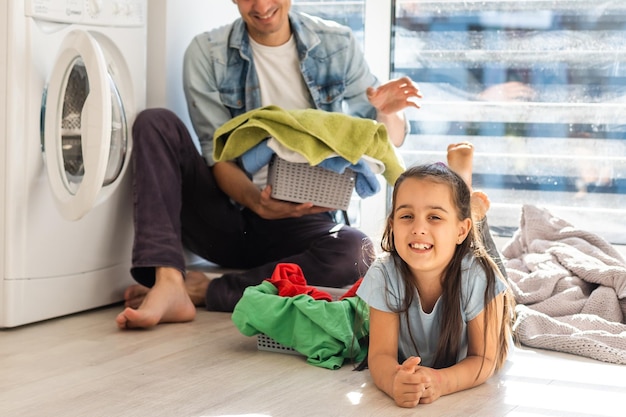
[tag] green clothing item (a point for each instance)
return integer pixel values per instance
(323, 331)
(316, 134)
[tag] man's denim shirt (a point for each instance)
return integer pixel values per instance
(220, 81)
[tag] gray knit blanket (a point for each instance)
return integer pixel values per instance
(570, 288)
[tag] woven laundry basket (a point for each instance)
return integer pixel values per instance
(302, 183)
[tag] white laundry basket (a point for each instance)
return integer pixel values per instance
(302, 183)
(264, 342)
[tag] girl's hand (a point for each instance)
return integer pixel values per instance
(409, 384)
(432, 389)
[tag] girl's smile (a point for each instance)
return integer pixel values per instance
(421, 246)
(426, 227)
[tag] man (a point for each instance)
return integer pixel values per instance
(183, 199)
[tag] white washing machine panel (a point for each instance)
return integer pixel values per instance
(110, 13)
(74, 83)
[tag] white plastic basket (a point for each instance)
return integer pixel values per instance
(302, 183)
(264, 342)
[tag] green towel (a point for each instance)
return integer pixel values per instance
(316, 134)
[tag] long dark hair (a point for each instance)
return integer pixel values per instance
(451, 320)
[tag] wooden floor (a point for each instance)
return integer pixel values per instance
(82, 365)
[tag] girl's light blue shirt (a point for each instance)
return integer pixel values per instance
(383, 289)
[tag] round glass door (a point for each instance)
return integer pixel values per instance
(85, 135)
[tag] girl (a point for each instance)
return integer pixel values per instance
(439, 309)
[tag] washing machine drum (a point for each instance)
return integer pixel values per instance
(84, 125)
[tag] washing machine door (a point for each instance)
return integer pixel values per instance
(84, 125)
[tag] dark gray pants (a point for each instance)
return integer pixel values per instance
(178, 203)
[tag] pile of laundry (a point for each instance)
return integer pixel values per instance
(334, 141)
(328, 332)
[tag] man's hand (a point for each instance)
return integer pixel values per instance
(272, 209)
(390, 99)
(394, 95)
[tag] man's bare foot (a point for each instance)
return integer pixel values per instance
(166, 302)
(480, 204)
(197, 284)
(460, 160)
(134, 295)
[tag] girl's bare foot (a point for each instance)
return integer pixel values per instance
(480, 205)
(460, 160)
(166, 302)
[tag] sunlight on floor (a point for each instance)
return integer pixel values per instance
(537, 365)
(354, 397)
(561, 399)
(587, 389)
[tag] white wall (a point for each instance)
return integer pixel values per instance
(171, 26)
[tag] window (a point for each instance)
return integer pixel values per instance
(347, 12)
(538, 86)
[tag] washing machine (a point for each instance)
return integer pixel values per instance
(72, 80)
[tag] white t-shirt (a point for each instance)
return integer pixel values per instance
(280, 81)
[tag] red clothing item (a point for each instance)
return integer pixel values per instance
(289, 280)
(352, 291)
